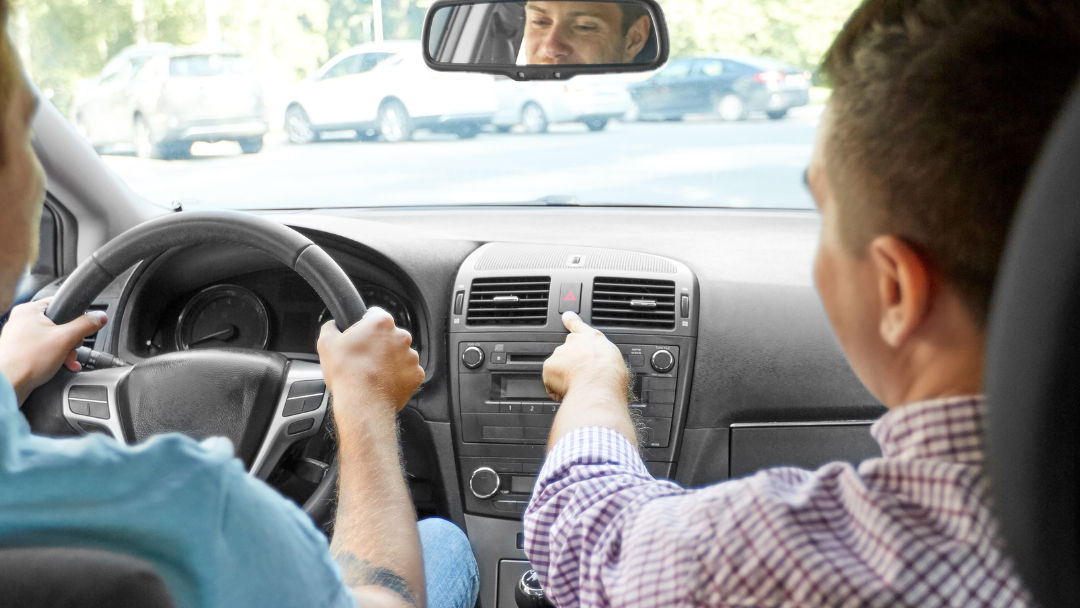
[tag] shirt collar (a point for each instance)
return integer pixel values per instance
(949, 429)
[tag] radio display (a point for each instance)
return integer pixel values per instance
(518, 386)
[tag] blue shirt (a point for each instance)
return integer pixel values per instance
(217, 536)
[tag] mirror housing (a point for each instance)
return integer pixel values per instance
(496, 37)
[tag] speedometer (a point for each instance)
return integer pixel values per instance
(377, 297)
(223, 316)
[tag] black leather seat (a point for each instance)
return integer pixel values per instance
(1032, 374)
(78, 578)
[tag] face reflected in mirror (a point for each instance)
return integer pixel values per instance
(567, 33)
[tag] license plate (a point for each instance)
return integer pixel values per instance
(797, 80)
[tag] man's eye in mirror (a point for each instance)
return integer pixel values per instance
(544, 33)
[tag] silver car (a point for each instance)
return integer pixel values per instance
(160, 98)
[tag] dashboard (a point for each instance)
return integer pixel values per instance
(735, 366)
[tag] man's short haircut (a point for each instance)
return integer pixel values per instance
(9, 73)
(631, 12)
(939, 110)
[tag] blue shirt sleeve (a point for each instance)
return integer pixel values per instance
(217, 536)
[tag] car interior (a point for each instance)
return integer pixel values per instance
(735, 366)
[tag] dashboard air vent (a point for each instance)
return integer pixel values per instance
(633, 303)
(509, 301)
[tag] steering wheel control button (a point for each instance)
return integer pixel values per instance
(305, 388)
(301, 425)
(78, 406)
(570, 297)
(89, 401)
(484, 483)
(89, 393)
(312, 403)
(293, 406)
(663, 361)
(472, 357)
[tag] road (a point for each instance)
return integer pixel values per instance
(754, 163)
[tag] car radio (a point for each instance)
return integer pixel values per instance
(505, 323)
(503, 399)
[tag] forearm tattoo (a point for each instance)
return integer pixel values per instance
(361, 572)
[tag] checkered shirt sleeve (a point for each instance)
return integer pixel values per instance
(910, 529)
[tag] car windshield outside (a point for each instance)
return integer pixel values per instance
(297, 104)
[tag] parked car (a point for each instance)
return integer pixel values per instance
(593, 100)
(385, 89)
(160, 98)
(729, 86)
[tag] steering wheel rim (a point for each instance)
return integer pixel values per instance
(157, 236)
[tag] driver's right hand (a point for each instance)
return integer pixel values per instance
(370, 369)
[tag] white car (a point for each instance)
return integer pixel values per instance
(385, 89)
(593, 100)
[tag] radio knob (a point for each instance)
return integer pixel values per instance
(472, 357)
(484, 482)
(663, 361)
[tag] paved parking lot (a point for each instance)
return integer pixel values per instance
(755, 163)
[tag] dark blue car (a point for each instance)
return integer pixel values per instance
(729, 86)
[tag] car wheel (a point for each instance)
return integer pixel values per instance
(366, 134)
(777, 114)
(533, 118)
(731, 107)
(596, 124)
(468, 130)
(395, 124)
(298, 126)
(251, 145)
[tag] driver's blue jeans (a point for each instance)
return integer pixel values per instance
(450, 571)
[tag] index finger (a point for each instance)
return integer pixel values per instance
(576, 325)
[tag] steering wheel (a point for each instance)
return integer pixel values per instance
(261, 401)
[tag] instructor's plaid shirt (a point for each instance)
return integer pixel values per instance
(912, 528)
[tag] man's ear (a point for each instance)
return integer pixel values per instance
(636, 37)
(904, 288)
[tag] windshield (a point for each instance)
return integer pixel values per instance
(301, 104)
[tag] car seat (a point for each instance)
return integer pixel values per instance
(1032, 374)
(62, 577)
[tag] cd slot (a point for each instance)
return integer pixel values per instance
(527, 358)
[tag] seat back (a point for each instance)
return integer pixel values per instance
(1032, 374)
(61, 577)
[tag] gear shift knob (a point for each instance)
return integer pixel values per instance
(528, 593)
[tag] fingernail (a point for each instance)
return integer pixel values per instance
(98, 317)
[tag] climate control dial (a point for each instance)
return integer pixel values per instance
(484, 482)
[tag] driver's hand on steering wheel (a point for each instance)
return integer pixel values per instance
(32, 347)
(370, 369)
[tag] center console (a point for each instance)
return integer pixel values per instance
(505, 322)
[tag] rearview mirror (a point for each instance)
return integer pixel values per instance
(545, 39)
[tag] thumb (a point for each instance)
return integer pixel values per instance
(83, 326)
(576, 325)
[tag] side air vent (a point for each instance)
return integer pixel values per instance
(509, 301)
(633, 303)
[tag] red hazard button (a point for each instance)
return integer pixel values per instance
(570, 297)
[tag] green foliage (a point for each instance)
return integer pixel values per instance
(796, 31)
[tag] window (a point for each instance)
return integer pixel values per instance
(709, 67)
(208, 65)
(342, 68)
(678, 69)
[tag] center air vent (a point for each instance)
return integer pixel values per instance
(633, 303)
(509, 301)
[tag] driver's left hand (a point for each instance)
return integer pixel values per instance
(32, 347)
